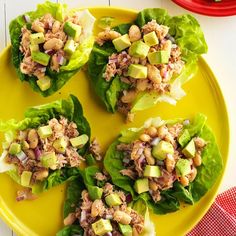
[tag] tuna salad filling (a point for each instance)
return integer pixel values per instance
(47, 43)
(106, 211)
(36, 152)
(160, 156)
(146, 60)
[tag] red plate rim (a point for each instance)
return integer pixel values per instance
(224, 8)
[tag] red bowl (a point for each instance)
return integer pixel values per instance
(209, 7)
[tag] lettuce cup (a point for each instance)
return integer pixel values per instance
(165, 162)
(100, 208)
(136, 65)
(45, 148)
(50, 45)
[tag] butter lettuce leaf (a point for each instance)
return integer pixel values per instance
(35, 116)
(70, 230)
(207, 173)
(78, 58)
(73, 197)
(188, 35)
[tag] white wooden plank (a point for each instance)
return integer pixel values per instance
(4, 230)
(2, 25)
(136, 4)
(13, 9)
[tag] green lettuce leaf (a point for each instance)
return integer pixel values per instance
(71, 230)
(39, 115)
(73, 196)
(78, 58)
(113, 164)
(207, 175)
(188, 35)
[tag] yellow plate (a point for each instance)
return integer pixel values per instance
(44, 216)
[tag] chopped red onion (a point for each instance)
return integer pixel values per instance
(114, 60)
(140, 151)
(141, 159)
(165, 74)
(83, 216)
(125, 59)
(108, 234)
(128, 198)
(50, 25)
(171, 66)
(22, 157)
(49, 52)
(155, 141)
(169, 155)
(37, 153)
(60, 59)
(186, 122)
(27, 18)
(163, 41)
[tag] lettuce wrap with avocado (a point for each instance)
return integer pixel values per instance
(50, 45)
(47, 147)
(136, 65)
(165, 162)
(94, 206)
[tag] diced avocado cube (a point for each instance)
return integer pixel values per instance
(141, 185)
(184, 138)
(48, 159)
(72, 30)
(45, 131)
(34, 48)
(139, 49)
(60, 15)
(70, 46)
(137, 71)
(25, 178)
(44, 83)
(37, 38)
(183, 167)
(79, 141)
(159, 57)
(161, 150)
(151, 39)
(189, 151)
(60, 145)
(113, 200)
(14, 148)
(126, 230)
(41, 58)
(102, 227)
(152, 171)
(121, 42)
(95, 192)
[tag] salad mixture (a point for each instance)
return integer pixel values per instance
(44, 145)
(134, 66)
(103, 209)
(50, 45)
(146, 60)
(167, 161)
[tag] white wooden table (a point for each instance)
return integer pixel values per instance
(220, 35)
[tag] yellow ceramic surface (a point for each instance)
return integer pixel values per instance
(44, 216)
